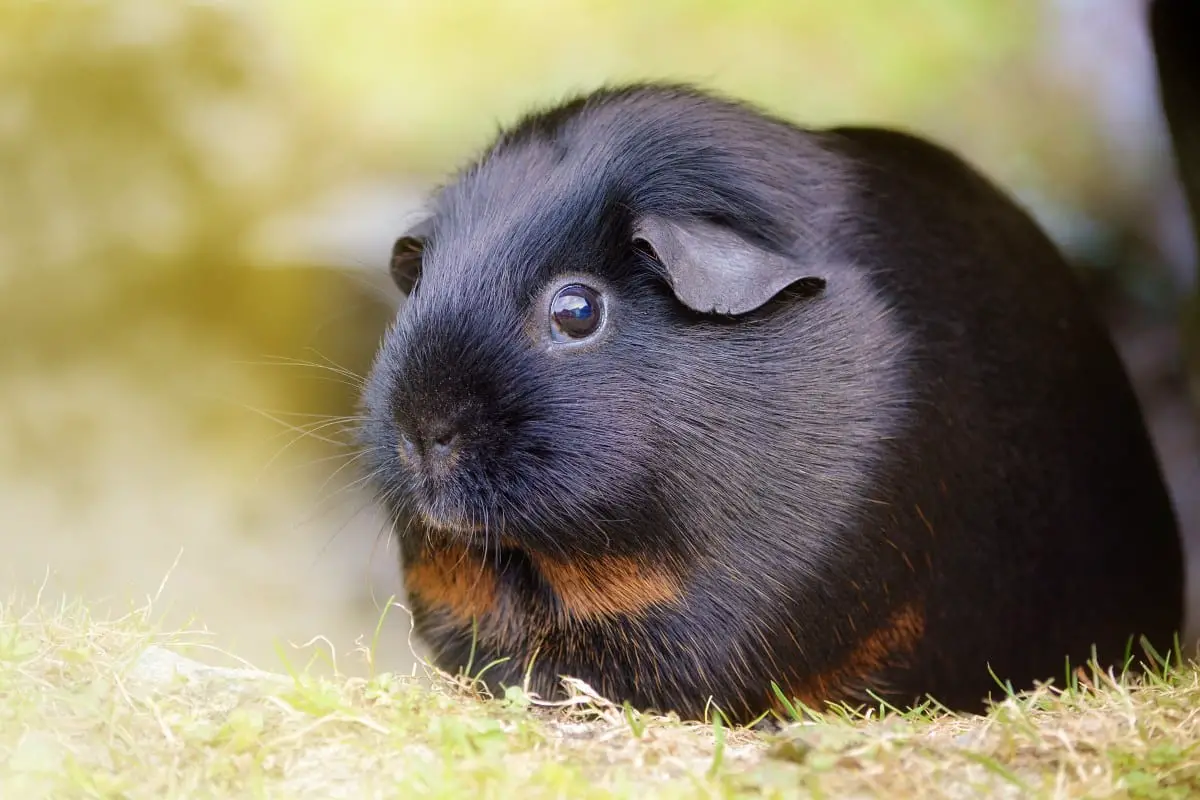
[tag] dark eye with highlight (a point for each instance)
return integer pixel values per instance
(576, 312)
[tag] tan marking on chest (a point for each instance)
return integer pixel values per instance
(454, 578)
(608, 587)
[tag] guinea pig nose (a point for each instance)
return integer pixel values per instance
(433, 442)
(442, 444)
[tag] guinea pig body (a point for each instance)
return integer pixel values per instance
(688, 400)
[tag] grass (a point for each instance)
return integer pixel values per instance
(119, 708)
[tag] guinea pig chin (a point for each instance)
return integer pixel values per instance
(444, 515)
(443, 500)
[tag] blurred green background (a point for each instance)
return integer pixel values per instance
(197, 200)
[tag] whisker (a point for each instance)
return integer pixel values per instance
(486, 542)
(313, 427)
(358, 482)
(324, 459)
(385, 528)
(333, 365)
(368, 502)
(294, 428)
(318, 415)
(323, 507)
(342, 528)
(343, 376)
(352, 460)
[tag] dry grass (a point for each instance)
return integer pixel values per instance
(109, 708)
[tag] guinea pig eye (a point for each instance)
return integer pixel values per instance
(575, 312)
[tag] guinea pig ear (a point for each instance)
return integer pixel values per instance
(407, 253)
(714, 270)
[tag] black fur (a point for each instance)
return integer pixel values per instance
(1175, 33)
(941, 426)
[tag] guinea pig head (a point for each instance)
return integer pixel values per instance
(623, 336)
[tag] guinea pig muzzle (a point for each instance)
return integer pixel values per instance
(434, 462)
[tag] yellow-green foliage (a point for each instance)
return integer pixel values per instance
(148, 147)
(134, 131)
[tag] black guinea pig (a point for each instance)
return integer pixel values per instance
(686, 400)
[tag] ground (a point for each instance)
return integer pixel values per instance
(120, 708)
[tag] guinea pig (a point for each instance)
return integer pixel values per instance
(686, 400)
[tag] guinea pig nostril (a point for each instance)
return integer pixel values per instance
(444, 445)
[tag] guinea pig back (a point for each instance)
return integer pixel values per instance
(685, 400)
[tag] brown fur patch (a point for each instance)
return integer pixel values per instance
(898, 636)
(454, 578)
(609, 587)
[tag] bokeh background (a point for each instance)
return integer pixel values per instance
(197, 201)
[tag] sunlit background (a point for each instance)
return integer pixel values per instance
(197, 201)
